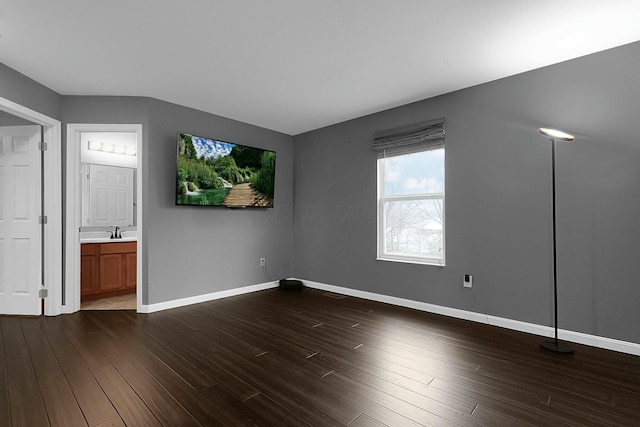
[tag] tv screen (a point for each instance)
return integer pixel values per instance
(218, 173)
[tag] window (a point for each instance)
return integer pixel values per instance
(411, 198)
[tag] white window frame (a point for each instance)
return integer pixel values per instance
(382, 254)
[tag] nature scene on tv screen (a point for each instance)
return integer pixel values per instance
(218, 173)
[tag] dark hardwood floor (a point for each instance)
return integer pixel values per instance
(300, 358)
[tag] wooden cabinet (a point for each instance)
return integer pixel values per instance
(130, 268)
(107, 269)
(89, 278)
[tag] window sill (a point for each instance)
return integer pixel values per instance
(409, 260)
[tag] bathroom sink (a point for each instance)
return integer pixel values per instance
(94, 236)
(129, 234)
(105, 236)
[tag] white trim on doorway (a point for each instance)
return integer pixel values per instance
(52, 201)
(73, 212)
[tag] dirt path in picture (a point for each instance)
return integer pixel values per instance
(244, 195)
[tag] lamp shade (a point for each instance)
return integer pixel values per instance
(556, 134)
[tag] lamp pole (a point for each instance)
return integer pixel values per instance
(555, 345)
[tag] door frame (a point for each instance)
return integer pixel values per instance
(52, 262)
(74, 208)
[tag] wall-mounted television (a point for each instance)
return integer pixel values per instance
(211, 172)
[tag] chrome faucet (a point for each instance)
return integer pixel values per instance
(116, 233)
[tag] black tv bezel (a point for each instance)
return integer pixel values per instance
(233, 207)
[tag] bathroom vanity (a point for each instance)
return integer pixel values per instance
(107, 267)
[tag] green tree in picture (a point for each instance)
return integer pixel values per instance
(263, 180)
(246, 157)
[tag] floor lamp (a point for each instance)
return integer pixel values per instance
(553, 135)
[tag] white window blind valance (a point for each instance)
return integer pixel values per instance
(420, 136)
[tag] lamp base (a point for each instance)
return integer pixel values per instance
(556, 347)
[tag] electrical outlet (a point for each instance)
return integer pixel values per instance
(263, 262)
(467, 281)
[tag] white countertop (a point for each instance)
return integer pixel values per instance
(105, 237)
(107, 240)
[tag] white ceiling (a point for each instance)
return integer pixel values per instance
(298, 65)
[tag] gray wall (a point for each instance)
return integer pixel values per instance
(190, 251)
(186, 251)
(7, 119)
(498, 202)
(199, 250)
(22, 90)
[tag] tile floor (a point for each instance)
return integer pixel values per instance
(123, 302)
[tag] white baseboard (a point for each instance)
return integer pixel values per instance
(151, 308)
(531, 328)
(516, 325)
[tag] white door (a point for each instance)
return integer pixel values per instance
(20, 198)
(111, 196)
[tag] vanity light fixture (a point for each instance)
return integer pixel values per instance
(127, 150)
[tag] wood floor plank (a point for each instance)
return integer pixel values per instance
(26, 404)
(150, 343)
(237, 413)
(114, 422)
(494, 416)
(260, 341)
(273, 413)
(45, 364)
(301, 358)
(416, 395)
(5, 412)
(329, 401)
(95, 405)
(161, 404)
(290, 395)
(595, 412)
(132, 409)
(364, 420)
(196, 351)
(79, 330)
(60, 403)
(194, 402)
(427, 412)
(325, 343)
(511, 400)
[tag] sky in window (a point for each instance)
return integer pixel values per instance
(416, 173)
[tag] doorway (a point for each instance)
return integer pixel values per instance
(103, 236)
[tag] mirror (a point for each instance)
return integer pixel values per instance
(108, 174)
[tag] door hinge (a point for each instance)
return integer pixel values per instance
(43, 293)
(42, 146)
(42, 219)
